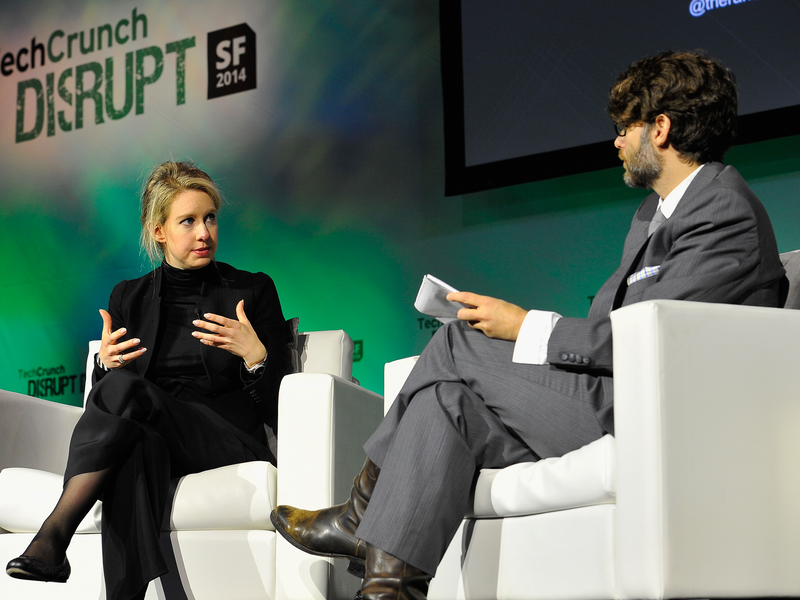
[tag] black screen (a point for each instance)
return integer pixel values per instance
(526, 82)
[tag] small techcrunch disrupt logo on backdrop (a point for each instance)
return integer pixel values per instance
(113, 85)
(51, 382)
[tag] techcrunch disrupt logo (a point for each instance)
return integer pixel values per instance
(64, 98)
(697, 8)
(49, 382)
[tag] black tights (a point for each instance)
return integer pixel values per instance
(79, 495)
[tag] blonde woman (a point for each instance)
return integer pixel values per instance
(191, 358)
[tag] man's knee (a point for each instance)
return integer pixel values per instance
(458, 403)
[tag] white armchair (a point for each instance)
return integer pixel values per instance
(218, 517)
(698, 496)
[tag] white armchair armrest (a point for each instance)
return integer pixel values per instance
(324, 422)
(707, 418)
(35, 433)
(395, 374)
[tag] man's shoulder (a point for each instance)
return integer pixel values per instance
(717, 184)
(721, 175)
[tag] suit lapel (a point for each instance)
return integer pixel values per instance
(151, 313)
(635, 259)
(609, 296)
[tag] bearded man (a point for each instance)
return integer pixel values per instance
(505, 385)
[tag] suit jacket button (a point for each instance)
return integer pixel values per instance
(564, 356)
(571, 358)
(587, 360)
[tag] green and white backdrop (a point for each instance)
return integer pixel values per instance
(322, 123)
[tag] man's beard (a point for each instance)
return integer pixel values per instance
(644, 166)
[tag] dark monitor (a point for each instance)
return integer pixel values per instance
(526, 82)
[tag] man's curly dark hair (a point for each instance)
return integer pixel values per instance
(696, 91)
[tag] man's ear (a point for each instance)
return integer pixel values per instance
(660, 130)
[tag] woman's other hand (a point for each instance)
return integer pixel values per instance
(112, 354)
(237, 336)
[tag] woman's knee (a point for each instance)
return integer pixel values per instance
(118, 393)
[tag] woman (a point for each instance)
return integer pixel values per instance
(191, 391)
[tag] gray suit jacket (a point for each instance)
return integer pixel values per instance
(718, 246)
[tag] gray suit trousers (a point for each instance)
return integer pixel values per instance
(466, 406)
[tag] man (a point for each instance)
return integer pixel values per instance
(505, 385)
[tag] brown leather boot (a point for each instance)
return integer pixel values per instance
(330, 531)
(389, 578)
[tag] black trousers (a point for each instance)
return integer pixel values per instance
(147, 436)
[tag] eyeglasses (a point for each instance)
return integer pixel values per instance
(622, 130)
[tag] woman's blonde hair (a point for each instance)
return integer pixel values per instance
(166, 181)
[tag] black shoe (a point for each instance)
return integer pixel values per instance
(27, 567)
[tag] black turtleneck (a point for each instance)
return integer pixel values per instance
(177, 359)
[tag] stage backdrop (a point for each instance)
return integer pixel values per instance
(305, 115)
(321, 122)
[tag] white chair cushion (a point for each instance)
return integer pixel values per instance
(234, 497)
(238, 496)
(583, 477)
(28, 496)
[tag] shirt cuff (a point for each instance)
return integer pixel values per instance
(100, 363)
(534, 335)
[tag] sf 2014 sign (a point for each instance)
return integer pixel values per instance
(231, 61)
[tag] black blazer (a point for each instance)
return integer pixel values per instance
(135, 304)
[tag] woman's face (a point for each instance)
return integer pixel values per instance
(189, 234)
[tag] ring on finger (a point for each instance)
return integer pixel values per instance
(120, 359)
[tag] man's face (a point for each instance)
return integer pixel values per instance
(643, 165)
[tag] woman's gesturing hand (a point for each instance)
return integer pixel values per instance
(237, 336)
(112, 354)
